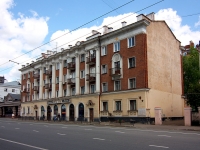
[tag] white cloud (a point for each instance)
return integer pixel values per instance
(183, 33)
(198, 23)
(19, 35)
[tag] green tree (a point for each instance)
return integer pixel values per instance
(191, 75)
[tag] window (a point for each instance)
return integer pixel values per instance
(104, 87)
(56, 93)
(32, 85)
(57, 80)
(73, 91)
(57, 66)
(24, 76)
(118, 105)
(131, 42)
(23, 110)
(82, 74)
(49, 94)
(132, 104)
(65, 78)
(82, 90)
(105, 106)
(5, 90)
(65, 92)
(44, 69)
(44, 82)
(73, 60)
(13, 90)
(92, 88)
(82, 57)
(131, 62)
(28, 112)
(132, 83)
(117, 85)
(33, 96)
(116, 46)
(104, 69)
(65, 63)
(103, 51)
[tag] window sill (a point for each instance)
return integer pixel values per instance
(104, 73)
(131, 67)
(117, 51)
(117, 111)
(132, 110)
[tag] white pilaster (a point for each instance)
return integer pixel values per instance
(86, 72)
(41, 84)
(68, 86)
(60, 94)
(77, 74)
(53, 80)
(97, 70)
(35, 84)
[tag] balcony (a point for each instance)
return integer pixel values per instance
(36, 76)
(26, 90)
(48, 72)
(115, 72)
(91, 60)
(36, 88)
(48, 86)
(71, 66)
(91, 77)
(71, 81)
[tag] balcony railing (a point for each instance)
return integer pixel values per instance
(71, 66)
(36, 76)
(48, 86)
(71, 81)
(36, 88)
(91, 77)
(91, 60)
(115, 72)
(48, 72)
(26, 90)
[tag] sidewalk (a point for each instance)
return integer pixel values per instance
(136, 126)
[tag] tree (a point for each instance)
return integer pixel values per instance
(191, 75)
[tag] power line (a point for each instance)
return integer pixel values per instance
(109, 6)
(97, 29)
(70, 31)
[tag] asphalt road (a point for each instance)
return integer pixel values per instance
(18, 135)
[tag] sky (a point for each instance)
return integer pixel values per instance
(28, 26)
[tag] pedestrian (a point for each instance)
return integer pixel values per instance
(54, 117)
(43, 117)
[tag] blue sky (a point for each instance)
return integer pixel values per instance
(27, 24)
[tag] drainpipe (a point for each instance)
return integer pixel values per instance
(99, 42)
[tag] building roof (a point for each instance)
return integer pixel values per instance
(15, 96)
(11, 84)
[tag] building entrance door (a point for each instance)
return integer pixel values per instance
(49, 113)
(71, 112)
(36, 116)
(91, 114)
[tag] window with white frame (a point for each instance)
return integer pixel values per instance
(57, 66)
(118, 105)
(28, 110)
(44, 95)
(105, 106)
(44, 82)
(92, 88)
(73, 91)
(131, 42)
(24, 76)
(50, 94)
(44, 69)
(103, 51)
(116, 46)
(82, 74)
(104, 69)
(104, 87)
(5, 89)
(23, 110)
(82, 89)
(82, 57)
(65, 63)
(132, 83)
(117, 85)
(57, 80)
(65, 92)
(65, 78)
(33, 96)
(32, 85)
(13, 90)
(56, 93)
(133, 105)
(131, 62)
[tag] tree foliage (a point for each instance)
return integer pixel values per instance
(191, 75)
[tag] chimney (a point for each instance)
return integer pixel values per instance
(110, 29)
(123, 24)
(32, 61)
(23, 66)
(62, 49)
(151, 16)
(70, 46)
(27, 64)
(140, 17)
(105, 29)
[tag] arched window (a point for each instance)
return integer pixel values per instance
(42, 110)
(63, 111)
(81, 110)
(55, 109)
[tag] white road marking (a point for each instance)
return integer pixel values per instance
(98, 139)
(158, 146)
(88, 129)
(23, 144)
(61, 134)
(35, 131)
(16, 128)
(165, 135)
(64, 127)
(2, 126)
(119, 132)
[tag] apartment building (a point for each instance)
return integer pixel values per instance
(119, 74)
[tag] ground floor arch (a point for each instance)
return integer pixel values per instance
(49, 113)
(63, 112)
(71, 112)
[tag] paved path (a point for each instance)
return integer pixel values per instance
(25, 135)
